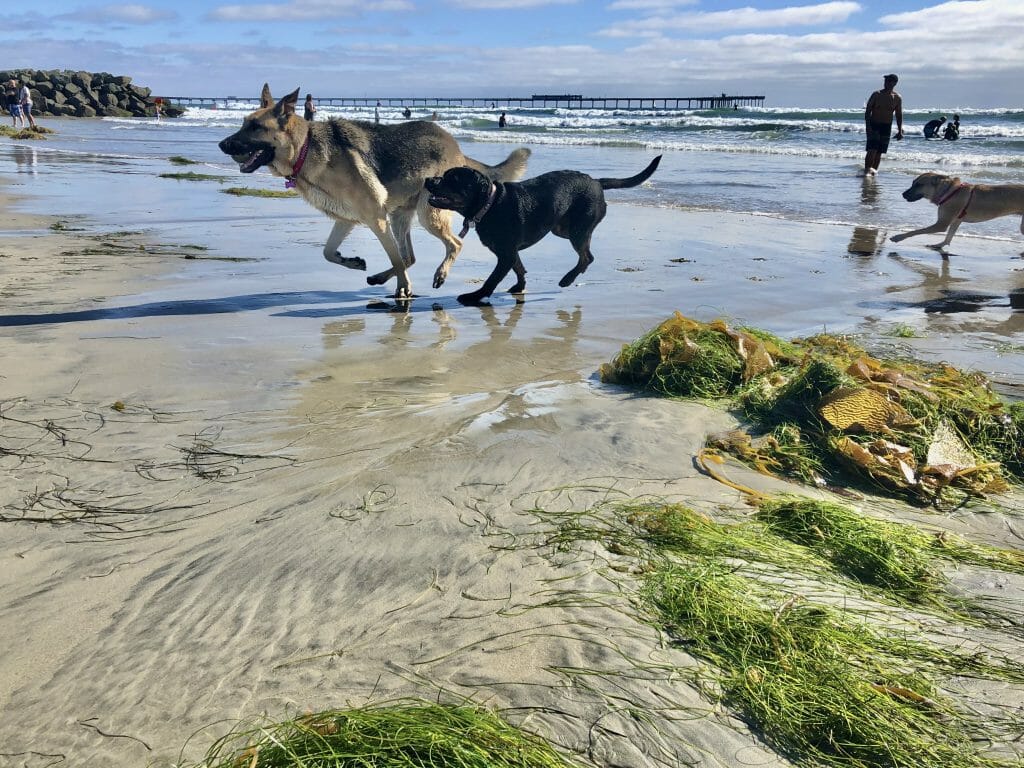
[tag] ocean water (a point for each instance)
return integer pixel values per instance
(824, 262)
(795, 164)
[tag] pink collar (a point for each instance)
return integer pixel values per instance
(289, 181)
(467, 223)
(949, 194)
(967, 204)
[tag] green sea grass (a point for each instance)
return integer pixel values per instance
(250, 192)
(192, 176)
(821, 687)
(401, 735)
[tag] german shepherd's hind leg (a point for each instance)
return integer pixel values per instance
(381, 227)
(398, 222)
(438, 222)
(339, 232)
(401, 226)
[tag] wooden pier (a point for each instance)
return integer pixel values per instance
(541, 101)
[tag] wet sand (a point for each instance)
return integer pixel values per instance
(242, 495)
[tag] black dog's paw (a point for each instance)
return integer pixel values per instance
(566, 281)
(474, 299)
(518, 288)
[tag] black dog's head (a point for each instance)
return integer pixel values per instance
(463, 190)
(262, 136)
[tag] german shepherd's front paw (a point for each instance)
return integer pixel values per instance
(352, 262)
(439, 278)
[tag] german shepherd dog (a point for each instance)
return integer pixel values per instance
(511, 216)
(362, 173)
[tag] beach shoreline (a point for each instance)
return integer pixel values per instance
(261, 487)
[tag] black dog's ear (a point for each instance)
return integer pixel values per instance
(286, 106)
(265, 98)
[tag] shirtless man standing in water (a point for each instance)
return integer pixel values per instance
(878, 114)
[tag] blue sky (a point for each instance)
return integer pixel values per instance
(948, 54)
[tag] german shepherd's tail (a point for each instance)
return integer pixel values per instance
(511, 169)
(632, 181)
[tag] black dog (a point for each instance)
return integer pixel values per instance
(511, 216)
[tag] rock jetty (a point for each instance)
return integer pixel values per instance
(65, 93)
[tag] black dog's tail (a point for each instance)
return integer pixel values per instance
(510, 169)
(632, 181)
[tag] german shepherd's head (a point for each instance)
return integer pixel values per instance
(265, 134)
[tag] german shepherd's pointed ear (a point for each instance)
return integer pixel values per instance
(286, 106)
(266, 99)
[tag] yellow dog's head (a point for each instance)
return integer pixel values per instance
(931, 186)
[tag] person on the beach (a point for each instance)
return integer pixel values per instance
(309, 108)
(13, 102)
(376, 113)
(953, 129)
(931, 128)
(882, 106)
(502, 122)
(406, 113)
(25, 97)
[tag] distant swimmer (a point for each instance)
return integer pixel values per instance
(502, 122)
(931, 128)
(953, 129)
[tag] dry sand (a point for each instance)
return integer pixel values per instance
(220, 520)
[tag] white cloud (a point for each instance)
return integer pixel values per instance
(947, 55)
(738, 18)
(495, 5)
(305, 10)
(963, 14)
(130, 13)
(648, 5)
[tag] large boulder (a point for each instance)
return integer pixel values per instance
(86, 94)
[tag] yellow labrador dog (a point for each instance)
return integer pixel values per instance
(959, 201)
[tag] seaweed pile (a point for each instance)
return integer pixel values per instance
(408, 734)
(825, 412)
